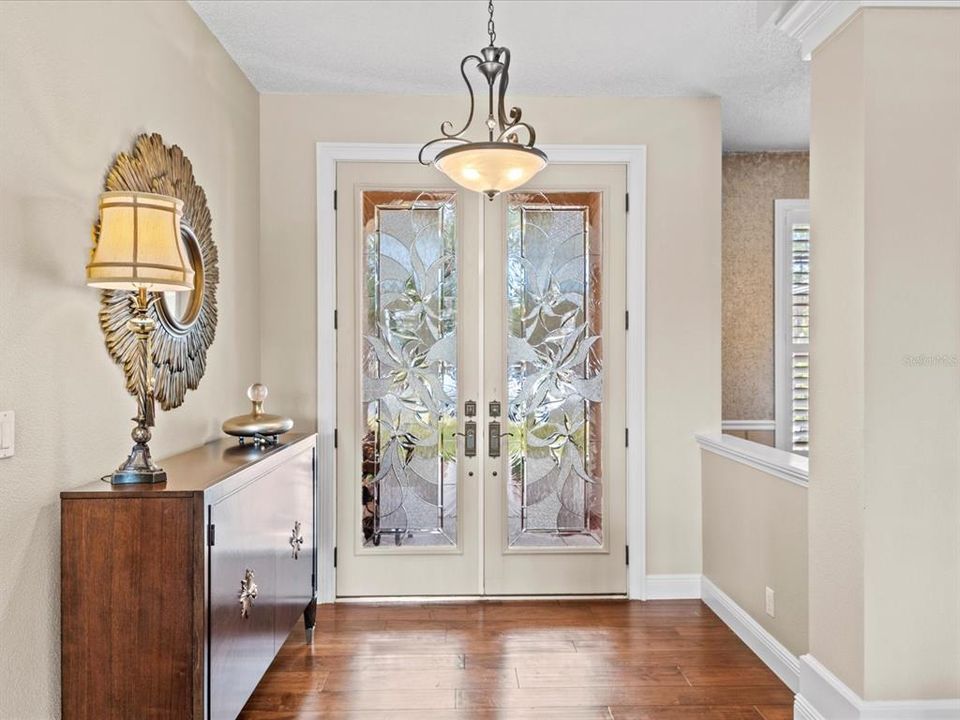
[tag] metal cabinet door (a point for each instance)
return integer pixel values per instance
(293, 483)
(241, 645)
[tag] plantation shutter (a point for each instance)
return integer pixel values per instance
(800, 337)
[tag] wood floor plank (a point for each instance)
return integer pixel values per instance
(698, 712)
(381, 700)
(561, 660)
(722, 675)
(438, 678)
(642, 675)
(585, 713)
(367, 663)
(727, 657)
(775, 712)
(623, 696)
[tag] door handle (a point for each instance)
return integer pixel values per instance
(296, 539)
(248, 593)
(493, 438)
(469, 436)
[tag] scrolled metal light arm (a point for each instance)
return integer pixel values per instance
(503, 125)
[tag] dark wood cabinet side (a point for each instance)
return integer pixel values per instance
(140, 638)
(131, 607)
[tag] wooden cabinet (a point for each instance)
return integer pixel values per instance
(152, 620)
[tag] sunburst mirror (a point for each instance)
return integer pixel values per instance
(186, 322)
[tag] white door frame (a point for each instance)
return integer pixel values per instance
(328, 155)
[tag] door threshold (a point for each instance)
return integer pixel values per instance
(469, 598)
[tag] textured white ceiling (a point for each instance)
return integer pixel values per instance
(643, 49)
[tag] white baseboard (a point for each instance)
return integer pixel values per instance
(820, 695)
(802, 710)
(823, 696)
(776, 657)
(673, 587)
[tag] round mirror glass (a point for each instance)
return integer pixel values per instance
(179, 310)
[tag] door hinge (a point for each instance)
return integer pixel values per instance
(626, 437)
(334, 557)
(335, 438)
(628, 555)
(334, 319)
(211, 534)
(628, 202)
(626, 319)
(334, 199)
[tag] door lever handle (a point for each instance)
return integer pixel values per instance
(493, 438)
(469, 436)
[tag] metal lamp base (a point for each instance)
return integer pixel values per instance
(138, 468)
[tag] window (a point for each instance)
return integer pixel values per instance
(792, 324)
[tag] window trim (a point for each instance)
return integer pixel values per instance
(784, 212)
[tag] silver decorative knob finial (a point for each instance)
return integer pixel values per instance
(262, 427)
(257, 392)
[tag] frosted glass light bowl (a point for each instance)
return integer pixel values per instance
(490, 167)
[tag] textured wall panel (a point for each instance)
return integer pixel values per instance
(751, 183)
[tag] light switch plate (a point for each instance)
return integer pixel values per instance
(7, 432)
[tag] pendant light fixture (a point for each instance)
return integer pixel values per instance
(502, 162)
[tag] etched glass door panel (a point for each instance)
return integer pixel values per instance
(407, 364)
(554, 384)
(554, 369)
(409, 368)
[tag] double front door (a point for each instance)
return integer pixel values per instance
(480, 384)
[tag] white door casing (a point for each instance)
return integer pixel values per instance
(633, 159)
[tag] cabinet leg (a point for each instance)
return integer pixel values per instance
(310, 620)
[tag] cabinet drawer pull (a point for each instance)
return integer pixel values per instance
(296, 540)
(248, 593)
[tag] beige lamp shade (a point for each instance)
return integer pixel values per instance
(140, 245)
(490, 167)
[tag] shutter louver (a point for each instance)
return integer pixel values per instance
(800, 336)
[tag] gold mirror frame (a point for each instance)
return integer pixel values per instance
(182, 325)
(179, 346)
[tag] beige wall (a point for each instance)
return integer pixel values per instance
(836, 216)
(755, 537)
(751, 183)
(884, 502)
(78, 81)
(683, 262)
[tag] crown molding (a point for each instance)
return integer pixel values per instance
(811, 22)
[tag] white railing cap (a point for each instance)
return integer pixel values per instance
(773, 461)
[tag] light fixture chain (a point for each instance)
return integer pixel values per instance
(491, 30)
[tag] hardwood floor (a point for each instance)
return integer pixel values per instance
(560, 660)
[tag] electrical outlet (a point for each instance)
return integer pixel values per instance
(6, 434)
(770, 607)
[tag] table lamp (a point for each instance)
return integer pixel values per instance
(140, 250)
